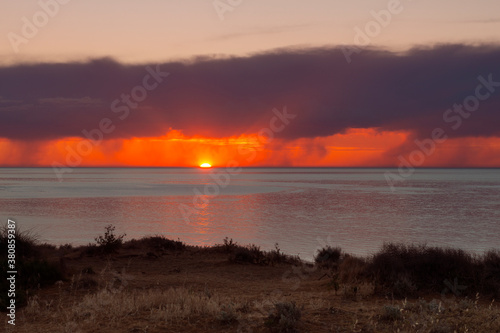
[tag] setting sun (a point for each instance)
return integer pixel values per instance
(205, 165)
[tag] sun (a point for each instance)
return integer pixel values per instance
(205, 165)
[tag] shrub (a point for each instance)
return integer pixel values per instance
(405, 269)
(109, 242)
(404, 287)
(91, 250)
(33, 272)
(252, 254)
(328, 257)
(352, 269)
(157, 243)
(26, 242)
(228, 246)
(248, 254)
(284, 318)
(490, 280)
(66, 247)
(162, 243)
(276, 256)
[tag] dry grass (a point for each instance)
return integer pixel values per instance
(155, 310)
(440, 316)
(155, 307)
(159, 285)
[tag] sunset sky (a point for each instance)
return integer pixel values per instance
(250, 82)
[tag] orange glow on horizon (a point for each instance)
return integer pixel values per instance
(205, 165)
(354, 148)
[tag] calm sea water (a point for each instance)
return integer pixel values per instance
(301, 209)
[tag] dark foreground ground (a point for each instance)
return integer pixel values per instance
(159, 285)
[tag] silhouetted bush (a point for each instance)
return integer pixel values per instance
(277, 257)
(250, 254)
(158, 243)
(109, 242)
(33, 272)
(405, 270)
(91, 250)
(490, 279)
(352, 269)
(328, 257)
(228, 246)
(26, 242)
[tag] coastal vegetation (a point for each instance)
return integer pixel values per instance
(155, 284)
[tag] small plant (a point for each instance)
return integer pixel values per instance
(66, 247)
(109, 242)
(229, 245)
(334, 283)
(328, 257)
(285, 318)
(277, 256)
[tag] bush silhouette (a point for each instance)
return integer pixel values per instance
(109, 242)
(33, 272)
(328, 256)
(406, 269)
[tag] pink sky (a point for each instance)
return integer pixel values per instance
(152, 30)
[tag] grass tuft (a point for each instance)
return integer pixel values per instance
(284, 318)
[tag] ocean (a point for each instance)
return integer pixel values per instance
(300, 209)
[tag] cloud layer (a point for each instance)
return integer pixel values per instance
(212, 97)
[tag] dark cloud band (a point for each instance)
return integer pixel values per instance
(414, 91)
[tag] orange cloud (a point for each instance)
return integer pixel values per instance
(356, 147)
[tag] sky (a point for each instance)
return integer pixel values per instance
(412, 83)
